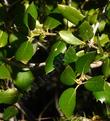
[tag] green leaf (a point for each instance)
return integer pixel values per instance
(108, 11)
(31, 10)
(70, 55)
(12, 38)
(69, 38)
(57, 48)
(67, 101)
(10, 112)
(4, 72)
(102, 25)
(70, 13)
(85, 31)
(51, 23)
(106, 67)
(24, 52)
(103, 96)
(104, 39)
(3, 38)
(83, 62)
(24, 80)
(95, 83)
(9, 96)
(68, 76)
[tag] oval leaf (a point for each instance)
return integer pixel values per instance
(32, 11)
(9, 96)
(68, 76)
(67, 101)
(51, 23)
(4, 72)
(103, 96)
(24, 52)
(70, 13)
(24, 80)
(69, 38)
(10, 112)
(83, 62)
(95, 83)
(3, 38)
(57, 48)
(70, 55)
(85, 31)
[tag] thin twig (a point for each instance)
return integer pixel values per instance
(45, 108)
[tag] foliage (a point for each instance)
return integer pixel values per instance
(74, 34)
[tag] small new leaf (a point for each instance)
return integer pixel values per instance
(3, 38)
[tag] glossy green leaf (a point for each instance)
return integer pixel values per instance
(51, 23)
(69, 38)
(95, 83)
(3, 38)
(70, 55)
(106, 67)
(32, 11)
(67, 101)
(24, 80)
(71, 13)
(85, 31)
(103, 96)
(10, 112)
(108, 11)
(4, 72)
(24, 52)
(83, 62)
(103, 39)
(68, 76)
(57, 48)
(9, 96)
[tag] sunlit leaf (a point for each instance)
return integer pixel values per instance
(104, 39)
(10, 112)
(9, 96)
(57, 48)
(24, 80)
(95, 83)
(68, 76)
(67, 101)
(69, 38)
(24, 52)
(3, 38)
(70, 13)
